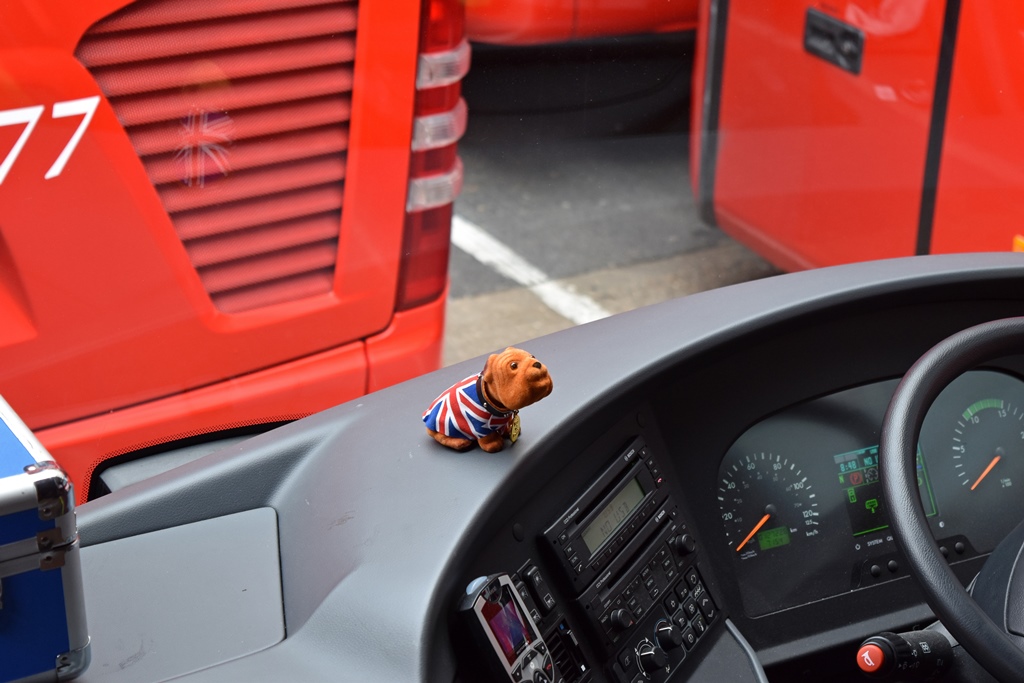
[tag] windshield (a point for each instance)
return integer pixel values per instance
(221, 217)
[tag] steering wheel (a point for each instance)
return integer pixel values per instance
(990, 626)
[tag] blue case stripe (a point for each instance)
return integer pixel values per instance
(14, 457)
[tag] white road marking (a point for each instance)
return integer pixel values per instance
(571, 305)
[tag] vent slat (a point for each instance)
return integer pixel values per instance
(195, 70)
(138, 46)
(263, 240)
(227, 97)
(279, 291)
(254, 183)
(268, 267)
(169, 168)
(166, 136)
(249, 214)
(170, 12)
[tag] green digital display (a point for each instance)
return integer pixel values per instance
(859, 479)
(773, 538)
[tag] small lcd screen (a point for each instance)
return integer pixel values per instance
(509, 628)
(613, 515)
(859, 478)
(773, 538)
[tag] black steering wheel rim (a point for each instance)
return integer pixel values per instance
(980, 636)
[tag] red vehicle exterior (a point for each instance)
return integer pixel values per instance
(526, 22)
(219, 214)
(916, 152)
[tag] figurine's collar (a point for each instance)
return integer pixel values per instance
(496, 411)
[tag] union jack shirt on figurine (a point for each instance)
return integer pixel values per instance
(484, 408)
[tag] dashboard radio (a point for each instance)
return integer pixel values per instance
(632, 562)
(613, 511)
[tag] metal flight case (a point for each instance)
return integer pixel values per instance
(43, 634)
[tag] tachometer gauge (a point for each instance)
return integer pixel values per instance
(766, 503)
(988, 446)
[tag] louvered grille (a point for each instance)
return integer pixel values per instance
(239, 111)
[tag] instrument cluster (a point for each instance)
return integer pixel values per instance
(801, 504)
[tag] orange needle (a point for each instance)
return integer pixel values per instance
(985, 473)
(753, 531)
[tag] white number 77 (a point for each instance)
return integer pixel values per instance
(85, 107)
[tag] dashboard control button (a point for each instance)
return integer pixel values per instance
(682, 590)
(680, 620)
(646, 573)
(639, 611)
(689, 638)
(960, 547)
(671, 603)
(870, 658)
(632, 588)
(699, 625)
(655, 593)
(650, 583)
(628, 659)
(691, 577)
(698, 591)
(540, 677)
(690, 608)
(707, 607)
(893, 566)
(875, 570)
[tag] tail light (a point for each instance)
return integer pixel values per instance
(435, 176)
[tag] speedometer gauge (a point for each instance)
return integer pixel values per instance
(766, 503)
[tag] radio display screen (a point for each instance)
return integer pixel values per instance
(613, 515)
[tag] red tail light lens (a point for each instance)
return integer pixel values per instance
(426, 244)
(435, 176)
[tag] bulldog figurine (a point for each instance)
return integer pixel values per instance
(484, 408)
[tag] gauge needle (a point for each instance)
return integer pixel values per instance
(985, 473)
(753, 531)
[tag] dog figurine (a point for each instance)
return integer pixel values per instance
(484, 408)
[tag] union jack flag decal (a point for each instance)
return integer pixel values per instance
(459, 412)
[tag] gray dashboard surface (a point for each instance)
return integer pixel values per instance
(375, 519)
(169, 602)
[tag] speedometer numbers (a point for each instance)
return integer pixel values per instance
(766, 503)
(988, 445)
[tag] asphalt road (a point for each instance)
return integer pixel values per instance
(565, 216)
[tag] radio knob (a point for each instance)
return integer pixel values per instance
(684, 544)
(621, 620)
(650, 657)
(669, 636)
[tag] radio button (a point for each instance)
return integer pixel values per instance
(689, 638)
(563, 537)
(655, 592)
(707, 607)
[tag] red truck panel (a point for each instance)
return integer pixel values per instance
(914, 151)
(524, 22)
(198, 199)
